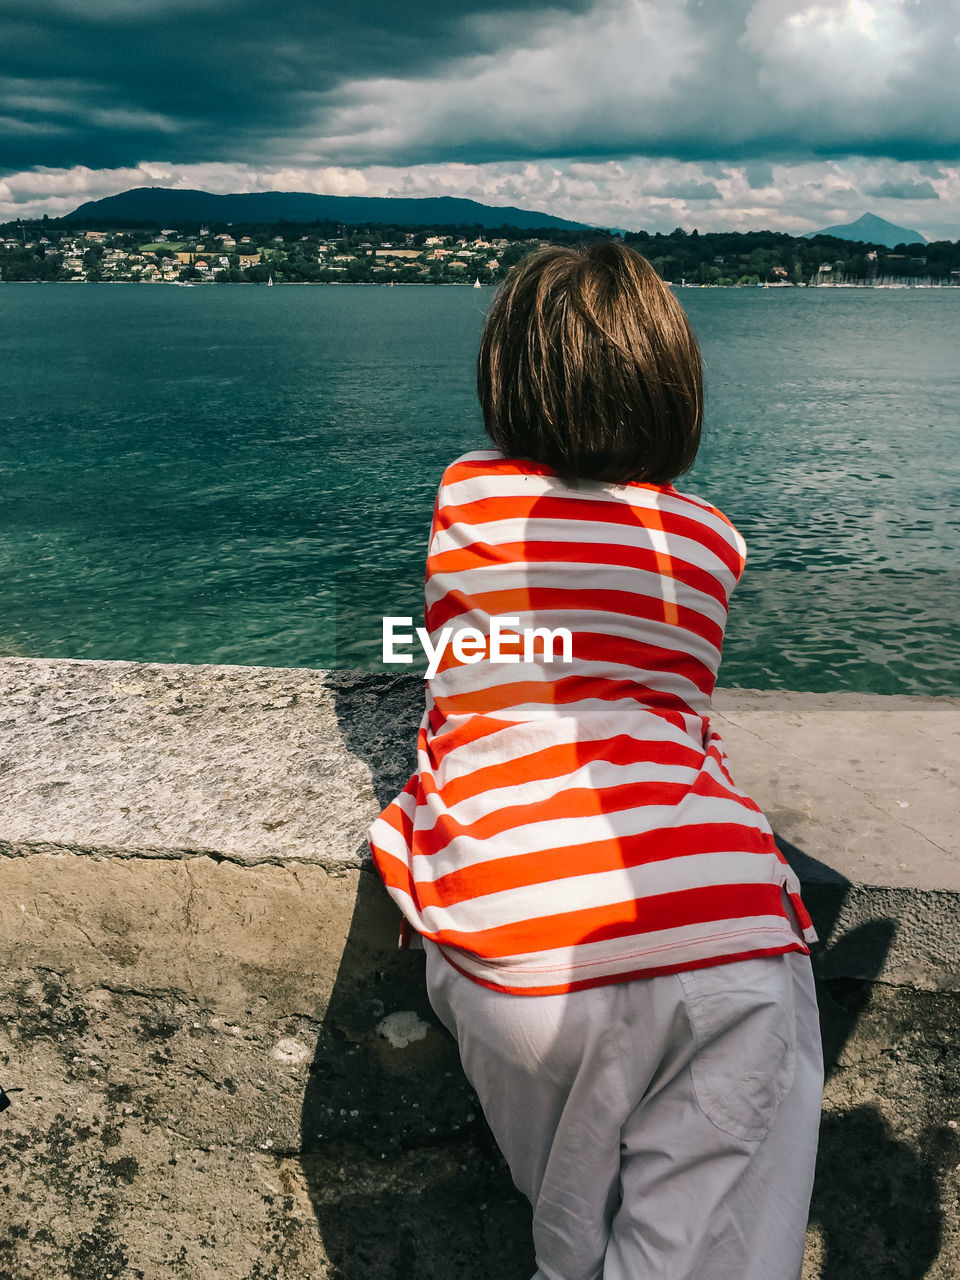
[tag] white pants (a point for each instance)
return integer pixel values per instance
(662, 1129)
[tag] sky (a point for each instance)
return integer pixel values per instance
(639, 114)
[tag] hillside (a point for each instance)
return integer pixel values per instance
(171, 207)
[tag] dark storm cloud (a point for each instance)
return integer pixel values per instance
(108, 83)
(905, 190)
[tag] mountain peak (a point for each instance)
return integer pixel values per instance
(871, 229)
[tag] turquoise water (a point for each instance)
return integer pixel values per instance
(245, 475)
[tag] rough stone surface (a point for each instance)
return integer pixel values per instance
(216, 1057)
(166, 761)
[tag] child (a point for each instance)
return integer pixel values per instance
(611, 932)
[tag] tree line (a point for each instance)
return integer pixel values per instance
(291, 252)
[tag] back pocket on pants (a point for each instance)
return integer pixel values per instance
(744, 1025)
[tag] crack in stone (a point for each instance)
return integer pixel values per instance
(340, 862)
(70, 715)
(191, 894)
(199, 1071)
(79, 926)
(173, 992)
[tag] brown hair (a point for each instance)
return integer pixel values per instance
(588, 364)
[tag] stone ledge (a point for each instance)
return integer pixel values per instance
(285, 767)
(270, 764)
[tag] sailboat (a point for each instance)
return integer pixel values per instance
(477, 284)
(269, 279)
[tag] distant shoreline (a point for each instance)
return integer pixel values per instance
(455, 284)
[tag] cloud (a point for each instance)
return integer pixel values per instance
(839, 52)
(904, 190)
(759, 173)
(620, 112)
(110, 83)
(638, 193)
(239, 81)
(59, 191)
(663, 77)
(691, 191)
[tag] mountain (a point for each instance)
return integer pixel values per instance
(871, 230)
(172, 208)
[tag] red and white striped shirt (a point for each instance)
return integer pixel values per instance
(574, 823)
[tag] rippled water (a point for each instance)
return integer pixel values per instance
(235, 474)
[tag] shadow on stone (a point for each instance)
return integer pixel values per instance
(395, 1156)
(875, 1201)
(402, 1173)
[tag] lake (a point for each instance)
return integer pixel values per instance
(236, 474)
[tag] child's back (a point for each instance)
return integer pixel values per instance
(611, 933)
(573, 821)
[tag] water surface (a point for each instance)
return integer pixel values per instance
(218, 474)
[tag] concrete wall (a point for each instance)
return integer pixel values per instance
(220, 1066)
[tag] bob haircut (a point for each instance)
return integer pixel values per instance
(588, 364)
